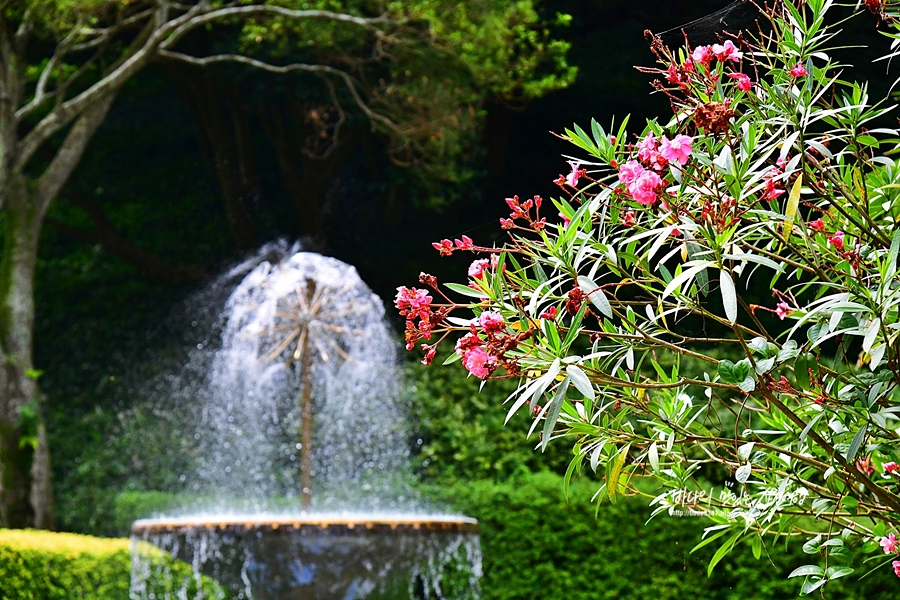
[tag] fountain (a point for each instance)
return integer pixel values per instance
(303, 488)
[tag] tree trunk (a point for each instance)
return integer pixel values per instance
(26, 493)
(25, 490)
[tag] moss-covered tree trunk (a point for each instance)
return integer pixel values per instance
(25, 492)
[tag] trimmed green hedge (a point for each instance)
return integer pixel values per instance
(537, 545)
(40, 565)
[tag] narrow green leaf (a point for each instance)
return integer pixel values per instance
(612, 479)
(465, 290)
(809, 426)
(595, 295)
(756, 546)
(653, 456)
(856, 443)
(581, 381)
(722, 551)
(729, 296)
(793, 204)
(553, 413)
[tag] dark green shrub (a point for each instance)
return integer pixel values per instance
(537, 545)
(459, 431)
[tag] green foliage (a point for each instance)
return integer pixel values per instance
(39, 565)
(537, 544)
(659, 239)
(459, 429)
(420, 74)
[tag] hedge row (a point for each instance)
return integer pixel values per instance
(40, 565)
(538, 545)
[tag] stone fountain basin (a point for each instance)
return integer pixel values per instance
(322, 557)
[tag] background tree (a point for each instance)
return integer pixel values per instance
(61, 65)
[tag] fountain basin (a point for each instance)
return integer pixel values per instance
(321, 557)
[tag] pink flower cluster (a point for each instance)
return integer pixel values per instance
(446, 247)
(522, 210)
(837, 240)
(475, 358)
(721, 52)
(743, 81)
(891, 468)
(413, 303)
(772, 186)
(479, 266)
(782, 309)
(890, 546)
(681, 75)
(798, 71)
(643, 183)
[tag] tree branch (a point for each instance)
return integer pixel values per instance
(105, 234)
(50, 183)
(284, 69)
(168, 33)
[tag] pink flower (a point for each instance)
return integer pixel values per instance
(572, 178)
(675, 76)
(702, 54)
(772, 190)
(727, 51)
(630, 171)
(643, 189)
(566, 220)
(516, 208)
(550, 313)
(889, 544)
(817, 225)
(506, 223)
(491, 322)
(429, 354)
(477, 362)
(798, 71)
(837, 240)
(782, 310)
(476, 269)
(445, 247)
(629, 219)
(896, 565)
(413, 302)
(891, 468)
(865, 465)
(464, 244)
(648, 150)
(677, 149)
(743, 82)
